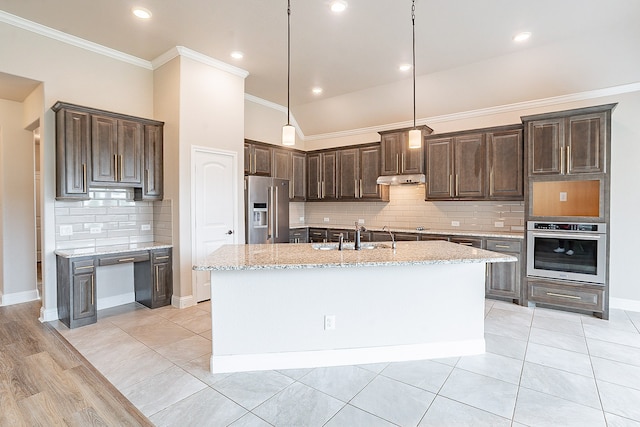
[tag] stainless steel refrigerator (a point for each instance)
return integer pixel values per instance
(266, 203)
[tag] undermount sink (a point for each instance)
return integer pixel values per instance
(347, 246)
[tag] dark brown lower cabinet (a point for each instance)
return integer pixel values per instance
(158, 273)
(504, 278)
(77, 291)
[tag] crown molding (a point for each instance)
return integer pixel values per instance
(185, 52)
(277, 107)
(42, 30)
(544, 102)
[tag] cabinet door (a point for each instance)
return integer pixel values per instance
(391, 147)
(298, 182)
(503, 279)
(369, 172)
(314, 165)
(261, 160)
(281, 164)
(412, 160)
(505, 165)
(469, 166)
(104, 148)
(586, 143)
(247, 159)
(545, 147)
(84, 304)
(162, 284)
(349, 174)
(439, 168)
(129, 161)
(152, 184)
(73, 150)
(329, 175)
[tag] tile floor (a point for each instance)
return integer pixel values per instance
(542, 368)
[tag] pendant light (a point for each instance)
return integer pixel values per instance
(415, 135)
(288, 131)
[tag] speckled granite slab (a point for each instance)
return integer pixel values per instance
(303, 255)
(105, 250)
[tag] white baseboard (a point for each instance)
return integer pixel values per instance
(182, 302)
(115, 300)
(350, 356)
(19, 297)
(624, 304)
(48, 315)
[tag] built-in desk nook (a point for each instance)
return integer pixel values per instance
(153, 282)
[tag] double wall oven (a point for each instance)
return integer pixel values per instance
(567, 251)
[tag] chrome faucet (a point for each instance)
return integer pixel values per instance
(340, 241)
(356, 240)
(393, 240)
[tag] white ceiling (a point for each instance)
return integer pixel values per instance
(344, 54)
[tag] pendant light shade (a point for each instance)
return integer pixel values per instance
(288, 131)
(288, 135)
(415, 135)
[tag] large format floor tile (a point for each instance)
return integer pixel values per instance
(542, 367)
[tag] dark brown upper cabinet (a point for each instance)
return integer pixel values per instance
(479, 164)
(100, 148)
(568, 143)
(396, 156)
(358, 170)
(322, 175)
(257, 159)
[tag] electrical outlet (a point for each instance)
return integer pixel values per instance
(498, 224)
(361, 221)
(66, 230)
(329, 322)
(301, 219)
(326, 219)
(563, 196)
(455, 223)
(145, 227)
(95, 230)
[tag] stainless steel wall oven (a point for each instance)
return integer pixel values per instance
(567, 251)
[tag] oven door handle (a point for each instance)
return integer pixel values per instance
(578, 236)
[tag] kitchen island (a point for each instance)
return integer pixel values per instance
(303, 305)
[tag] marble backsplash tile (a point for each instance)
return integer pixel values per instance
(111, 217)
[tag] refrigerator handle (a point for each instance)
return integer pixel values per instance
(269, 214)
(275, 205)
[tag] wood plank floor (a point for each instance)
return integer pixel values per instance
(46, 382)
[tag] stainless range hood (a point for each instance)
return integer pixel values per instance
(401, 179)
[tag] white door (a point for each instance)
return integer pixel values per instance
(215, 192)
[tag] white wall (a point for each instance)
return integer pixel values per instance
(18, 218)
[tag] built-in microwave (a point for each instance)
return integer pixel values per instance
(567, 251)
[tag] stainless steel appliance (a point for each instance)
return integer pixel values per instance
(567, 251)
(266, 209)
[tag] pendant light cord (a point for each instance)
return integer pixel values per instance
(413, 24)
(289, 59)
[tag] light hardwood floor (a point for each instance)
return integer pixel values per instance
(44, 381)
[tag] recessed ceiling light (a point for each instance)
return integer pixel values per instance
(338, 6)
(520, 37)
(141, 12)
(404, 67)
(316, 90)
(236, 54)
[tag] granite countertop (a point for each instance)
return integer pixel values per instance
(303, 255)
(106, 250)
(489, 234)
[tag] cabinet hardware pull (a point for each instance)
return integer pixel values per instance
(126, 259)
(402, 169)
(86, 267)
(319, 191)
(355, 188)
(562, 160)
(92, 298)
(121, 162)
(397, 163)
(552, 294)
(451, 185)
(491, 189)
(503, 246)
(457, 185)
(276, 201)
(84, 177)
(323, 190)
(568, 158)
(360, 188)
(156, 279)
(167, 256)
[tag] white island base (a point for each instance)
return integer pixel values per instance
(267, 319)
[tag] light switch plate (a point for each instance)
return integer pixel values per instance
(563, 196)
(498, 224)
(455, 223)
(66, 230)
(145, 227)
(326, 219)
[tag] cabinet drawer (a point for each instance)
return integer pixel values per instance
(160, 256)
(123, 258)
(83, 266)
(582, 297)
(504, 245)
(468, 241)
(317, 236)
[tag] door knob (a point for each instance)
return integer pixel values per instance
(230, 232)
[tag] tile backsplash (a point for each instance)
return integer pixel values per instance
(408, 209)
(111, 217)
